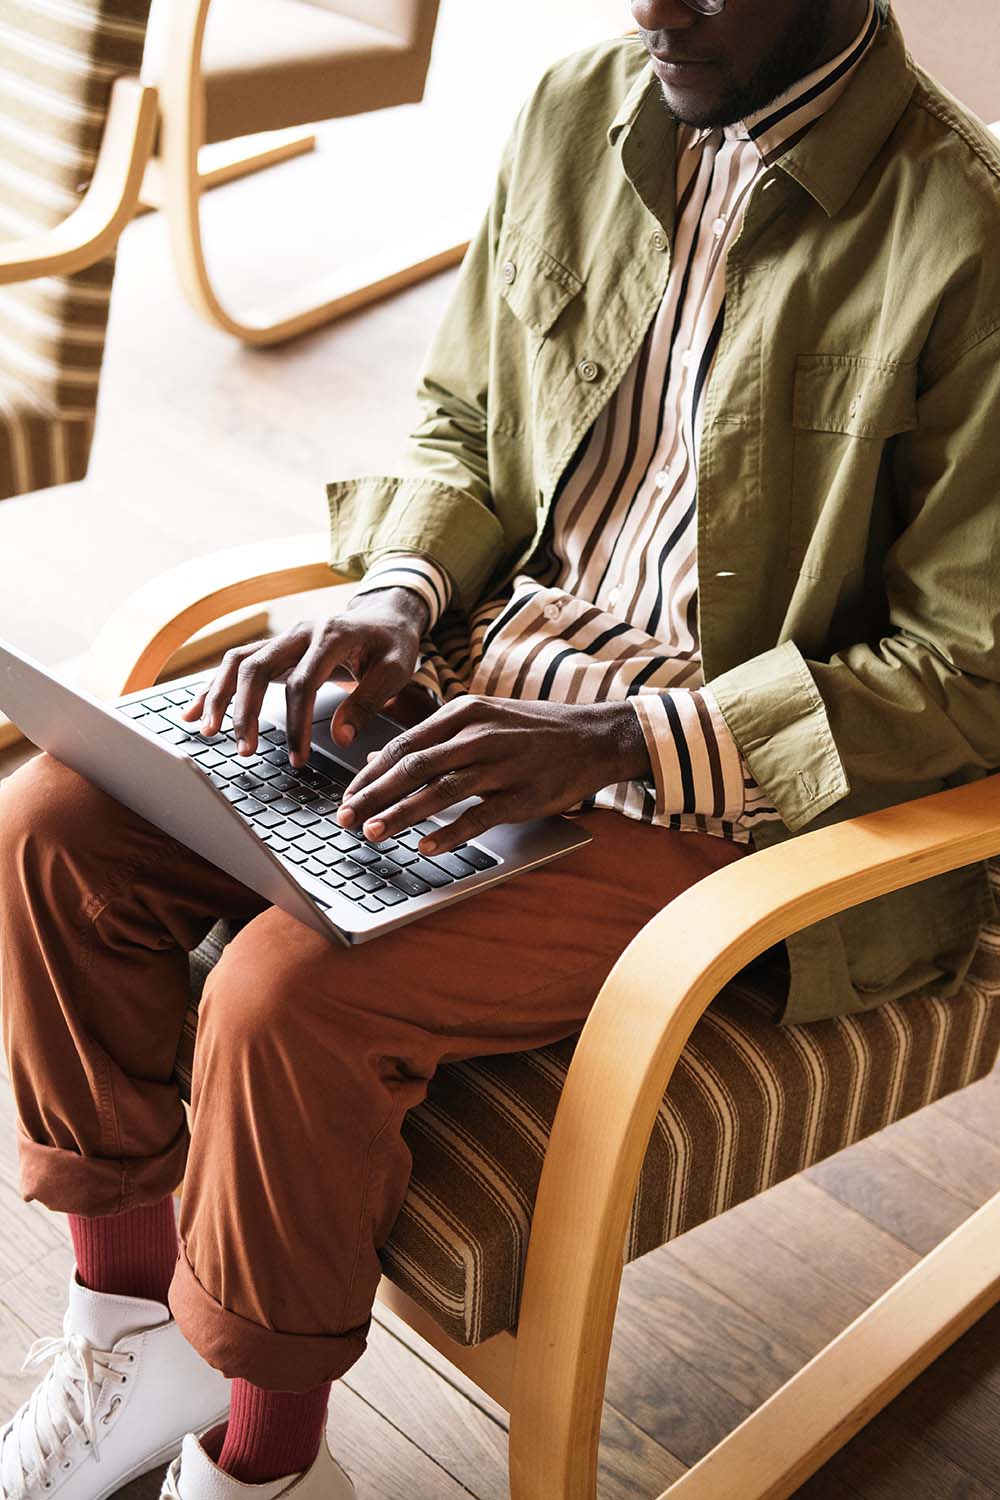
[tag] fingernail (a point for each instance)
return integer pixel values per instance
(374, 828)
(345, 733)
(345, 816)
(242, 745)
(428, 845)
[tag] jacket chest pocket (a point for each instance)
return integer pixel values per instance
(845, 410)
(537, 288)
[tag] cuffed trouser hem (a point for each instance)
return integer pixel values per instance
(245, 1350)
(68, 1182)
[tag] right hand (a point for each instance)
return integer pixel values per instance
(377, 638)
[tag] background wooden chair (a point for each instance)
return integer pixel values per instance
(589, 1141)
(230, 68)
(78, 128)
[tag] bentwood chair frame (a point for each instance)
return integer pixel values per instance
(550, 1374)
(176, 180)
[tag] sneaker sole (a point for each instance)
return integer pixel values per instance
(164, 1455)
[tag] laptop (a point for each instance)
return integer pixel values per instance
(258, 818)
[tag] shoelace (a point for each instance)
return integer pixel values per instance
(54, 1411)
(169, 1487)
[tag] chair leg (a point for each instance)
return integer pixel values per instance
(182, 105)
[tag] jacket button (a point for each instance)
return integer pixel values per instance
(587, 370)
(551, 611)
(854, 407)
(508, 271)
(659, 239)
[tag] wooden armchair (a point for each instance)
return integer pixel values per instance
(609, 1115)
(229, 69)
(72, 186)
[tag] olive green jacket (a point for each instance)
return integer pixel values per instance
(849, 478)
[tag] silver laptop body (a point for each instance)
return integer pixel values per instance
(158, 772)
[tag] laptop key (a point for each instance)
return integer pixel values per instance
(265, 793)
(249, 806)
(286, 805)
(295, 855)
(155, 705)
(429, 873)
(409, 884)
(283, 782)
(325, 804)
(268, 819)
(368, 881)
(132, 710)
(352, 892)
(180, 695)
(404, 857)
(277, 843)
(389, 896)
(308, 843)
(323, 829)
(364, 855)
(371, 903)
(245, 779)
(454, 864)
(475, 856)
(328, 855)
(233, 793)
(304, 816)
(348, 869)
(314, 867)
(385, 869)
(208, 757)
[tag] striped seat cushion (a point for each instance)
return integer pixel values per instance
(58, 60)
(750, 1103)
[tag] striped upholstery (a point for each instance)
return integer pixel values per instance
(58, 59)
(749, 1104)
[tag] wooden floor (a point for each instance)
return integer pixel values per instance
(201, 442)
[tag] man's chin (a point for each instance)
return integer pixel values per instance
(700, 111)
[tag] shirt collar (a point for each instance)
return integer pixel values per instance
(784, 119)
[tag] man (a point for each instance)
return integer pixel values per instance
(694, 537)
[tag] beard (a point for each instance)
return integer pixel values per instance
(793, 56)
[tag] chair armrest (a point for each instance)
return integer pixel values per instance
(138, 639)
(92, 229)
(640, 1023)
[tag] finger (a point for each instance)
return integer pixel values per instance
(443, 792)
(441, 727)
(416, 769)
(253, 676)
(376, 685)
(317, 663)
(215, 700)
(502, 807)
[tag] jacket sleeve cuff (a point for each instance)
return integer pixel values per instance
(777, 718)
(374, 514)
(696, 764)
(410, 570)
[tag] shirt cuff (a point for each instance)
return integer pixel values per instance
(410, 570)
(696, 764)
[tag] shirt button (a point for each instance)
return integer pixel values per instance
(719, 228)
(551, 611)
(508, 271)
(659, 240)
(587, 369)
(615, 594)
(661, 479)
(687, 358)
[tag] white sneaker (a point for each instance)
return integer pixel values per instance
(124, 1387)
(194, 1476)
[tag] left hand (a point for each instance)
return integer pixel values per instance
(522, 758)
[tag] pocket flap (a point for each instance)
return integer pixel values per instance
(851, 394)
(534, 284)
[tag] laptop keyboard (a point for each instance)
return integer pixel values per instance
(292, 808)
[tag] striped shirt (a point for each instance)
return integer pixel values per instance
(607, 606)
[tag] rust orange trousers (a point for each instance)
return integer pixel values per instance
(307, 1055)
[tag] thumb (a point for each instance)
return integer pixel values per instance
(373, 691)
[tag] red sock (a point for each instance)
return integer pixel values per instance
(271, 1433)
(132, 1253)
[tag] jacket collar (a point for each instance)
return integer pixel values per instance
(828, 162)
